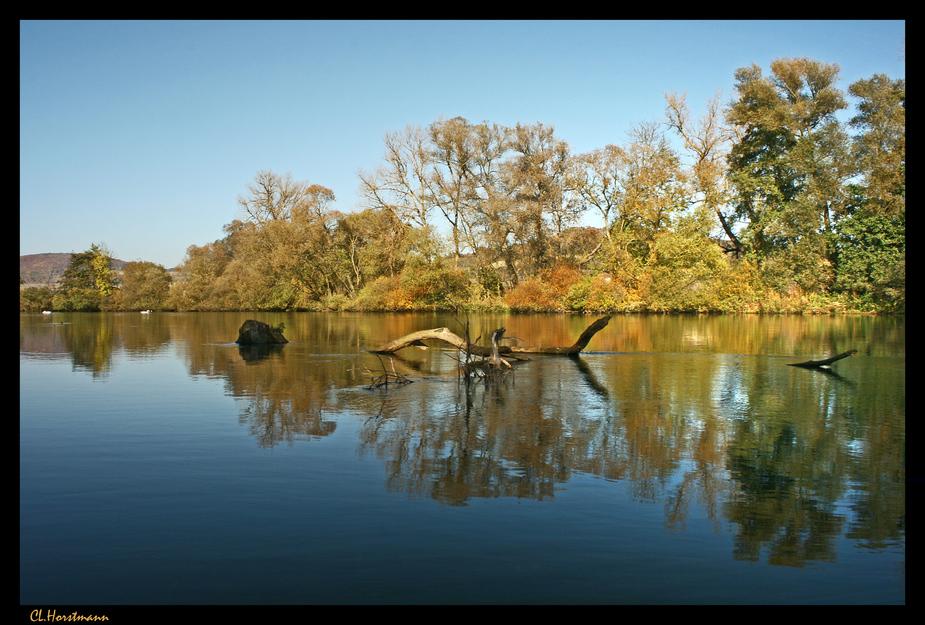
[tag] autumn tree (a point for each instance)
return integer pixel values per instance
(500, 189)
(145, 286)
(452, 186)
(595, 178)
(280, 248)
(798, 200)
(369, 244)
(654, 188)
(490, 204)
(535, 172)
(707, 140)
(403, 182)
(199, 270)
(453, 168)
(274, 197)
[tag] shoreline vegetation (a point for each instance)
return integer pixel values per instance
(765, 203)
(41, 299)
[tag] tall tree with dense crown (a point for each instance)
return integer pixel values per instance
(88, 281)
(880, 148)
(871, 240)
(535, 173)
(787, 167)
(453, 153)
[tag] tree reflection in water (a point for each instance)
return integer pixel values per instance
(744, 443)
(718, 428)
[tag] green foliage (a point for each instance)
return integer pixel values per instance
(384, 293)
(685, 271)
(36, 299)
(880, 147)
(432, 286)
(87, 283)
(872, 259)
(336, 301)
(788, 166)
(284, 295)
(420, 286)
(596, 293)
(740, 289)
(77, 300)
(815, 237)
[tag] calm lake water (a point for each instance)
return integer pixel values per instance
(677, 460)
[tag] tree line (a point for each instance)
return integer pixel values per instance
(766, 203)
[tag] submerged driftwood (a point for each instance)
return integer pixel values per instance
(415, 339)
(811, 364)
(377, 381)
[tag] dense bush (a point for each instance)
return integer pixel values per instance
(596, 293)
(531, 295)
(36, 299)
(384, 293)
(145, 286)
(433, 286)
(685, 270)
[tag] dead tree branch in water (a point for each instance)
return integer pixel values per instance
(377, 381)
(444, 334)
(811, 364)
(487, 369)
(494, 368)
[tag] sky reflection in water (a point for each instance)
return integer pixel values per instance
(678, 460)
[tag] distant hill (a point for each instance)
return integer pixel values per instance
(38, 269)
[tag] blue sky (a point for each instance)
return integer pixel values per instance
(140, 135)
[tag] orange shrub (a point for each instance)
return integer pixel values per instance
(560, 280)
(546, 292)
(531, 295)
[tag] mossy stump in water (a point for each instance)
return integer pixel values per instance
(254, 332)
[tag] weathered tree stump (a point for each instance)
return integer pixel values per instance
(496, 359)
(259, 333)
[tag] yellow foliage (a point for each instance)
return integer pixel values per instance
(597, 293)
(739, 290)
(384, 293)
